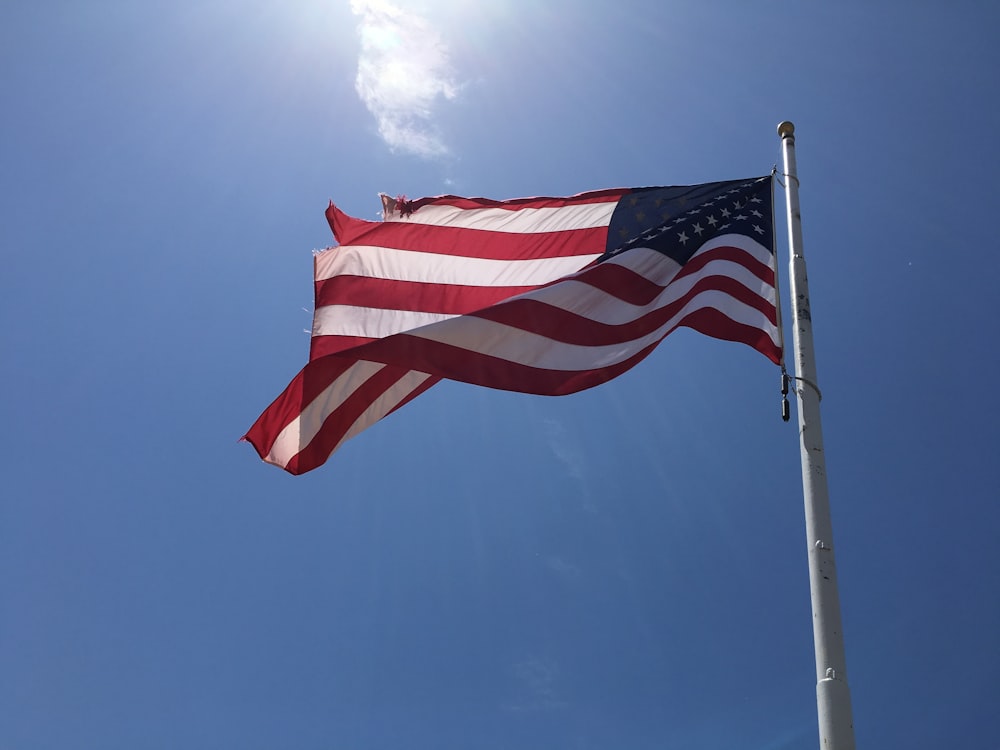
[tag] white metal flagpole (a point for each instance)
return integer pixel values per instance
(833, 697)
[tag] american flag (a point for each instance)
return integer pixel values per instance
(539, 295)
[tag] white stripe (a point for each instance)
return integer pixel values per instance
(409, 265)
(516, 220)
(512, 344)
(575, 295)
(298, 433)
(741, 241)
(523, 347)
(653, 265)
(372, 322)
(385, 403)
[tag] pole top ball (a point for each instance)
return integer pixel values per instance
(786, 129)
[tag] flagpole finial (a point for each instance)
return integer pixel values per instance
(786, 129)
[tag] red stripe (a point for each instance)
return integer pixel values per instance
(479, 243)
(311, 380)
(456, 363)
(305, 387)
(567, 327)
(415, 296)
(496, 372)
(449, 361)
(454, 299)
(343, 418)
(621, 282)
(632, 287)
(711, 322)
(320, 346)
(724, 252)
(403, 352)
(346, 228)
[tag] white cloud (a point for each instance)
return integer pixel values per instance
(567, 449)
(559, 442)
(563, 567)
(403, 72)
(536, 678)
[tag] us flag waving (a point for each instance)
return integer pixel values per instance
(539, 295)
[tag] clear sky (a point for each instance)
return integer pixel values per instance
(622, 568)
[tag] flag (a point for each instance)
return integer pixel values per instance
(539, 295)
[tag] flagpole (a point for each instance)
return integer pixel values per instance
(833, 696)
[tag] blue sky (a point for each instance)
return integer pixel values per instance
(625, 567)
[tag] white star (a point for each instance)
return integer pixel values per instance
(678, 219)
(725, 214)
(683, 238)
(757, 229)
(739, 217)
(695, 211)
(712, 220)
(755, 200)
(757, 213)
(698, 230)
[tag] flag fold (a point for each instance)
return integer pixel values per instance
(539, 295)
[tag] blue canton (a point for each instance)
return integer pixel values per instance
(676, 221)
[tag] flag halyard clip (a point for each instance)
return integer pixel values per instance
(785, 413)
(785, 377)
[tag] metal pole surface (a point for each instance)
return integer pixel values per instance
(833, 697)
